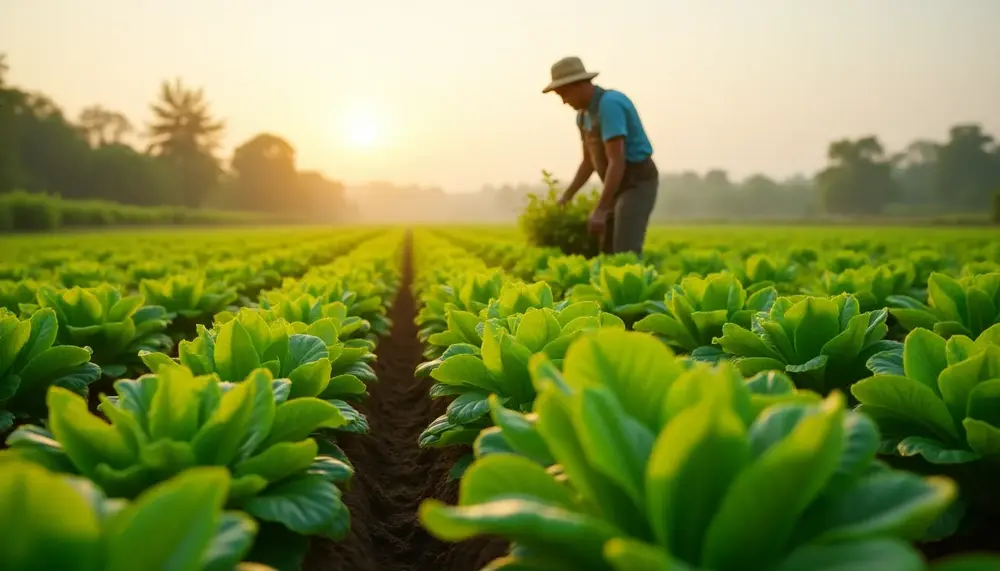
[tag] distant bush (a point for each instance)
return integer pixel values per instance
(547, 224)
(996, 207)
(22, 211)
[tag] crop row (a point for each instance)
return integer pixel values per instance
(240, 425)
(620, 417)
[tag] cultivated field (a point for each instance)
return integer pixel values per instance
(454, 399)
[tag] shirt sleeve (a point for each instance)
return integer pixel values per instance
(613, 117)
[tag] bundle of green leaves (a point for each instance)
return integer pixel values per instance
(115, 327)
(30, 363)
(659, 468)
(56, 521)
(546, 223)
(165, 423)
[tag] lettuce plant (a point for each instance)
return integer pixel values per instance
(761, 271)
(563, 273)
(246, 342)
(936, 402)
(116, 328)
(822, 343)
(966, 306)
(163, 424)
(188, 298)
(695, 310)
(499, 367)
(30, 364)
(13, 294)
(870, 285)
(309, 309)
(624, 290)
(661, 475)
(468, 292)
(55, 521)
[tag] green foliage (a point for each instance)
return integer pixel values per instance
(30, 363)
(164, 424)
(966, 306)
(822, 343)
(546, 223)
(54, 521)
(661, 468)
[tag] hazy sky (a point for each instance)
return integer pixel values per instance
(448, 91)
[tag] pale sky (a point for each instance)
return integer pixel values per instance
(454, 86)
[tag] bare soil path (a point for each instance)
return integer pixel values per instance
(393, 473)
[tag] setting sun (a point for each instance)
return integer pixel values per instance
(362, 128)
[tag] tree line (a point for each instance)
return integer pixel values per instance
(90, 157)
(178, 164)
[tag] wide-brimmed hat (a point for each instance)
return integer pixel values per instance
(566, 71)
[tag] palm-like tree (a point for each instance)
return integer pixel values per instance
(184, 133)
(182, 122)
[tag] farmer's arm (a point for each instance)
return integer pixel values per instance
(583, 173)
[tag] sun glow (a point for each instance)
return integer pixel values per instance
(363, 128)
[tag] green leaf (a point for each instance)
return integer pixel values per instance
(908, 400)
(218, 440)
(578, 539)
(507, 476)
(887, 504)
(781, 482)
(934, 451)
(881, 554)
(310, 379)
(888, 362)
(235, 354)
(691, 466)
(924, 357)
(308, 505)
(736, 340)
(181, 513)
(616, 444)
(982, 437)
(41, 510)
(466, 370)
(280, 460)
(635, 366)
(468, 407)
(87, 440)
(298, 418)
(232, 540)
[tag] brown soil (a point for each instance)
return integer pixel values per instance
(393, 474)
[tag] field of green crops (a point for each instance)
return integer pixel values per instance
(455, 399)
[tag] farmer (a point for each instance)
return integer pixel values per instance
(615, 145)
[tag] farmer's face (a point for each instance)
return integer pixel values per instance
(574, 95)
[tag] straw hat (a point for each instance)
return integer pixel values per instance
(566, 71)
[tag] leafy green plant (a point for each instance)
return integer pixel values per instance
(30, 364)
(822, 343)
(161, 425)
(935, 401)
(54, 521)
(966, 306)
(563, 273)
(115, 327)
(546, 223)
(499, 367)
(695, 310)
(660, 468)
(872, 286)
(188, 298)
(624, 290)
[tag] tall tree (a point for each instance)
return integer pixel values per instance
(185, 134)
(265, 174)
(858, 179)
(102, 126)
(968, 172)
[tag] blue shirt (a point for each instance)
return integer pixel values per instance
(618, 118)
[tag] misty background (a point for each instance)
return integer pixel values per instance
(389, 111)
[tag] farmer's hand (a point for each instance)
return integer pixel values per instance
(565, 199)
(598, 221)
